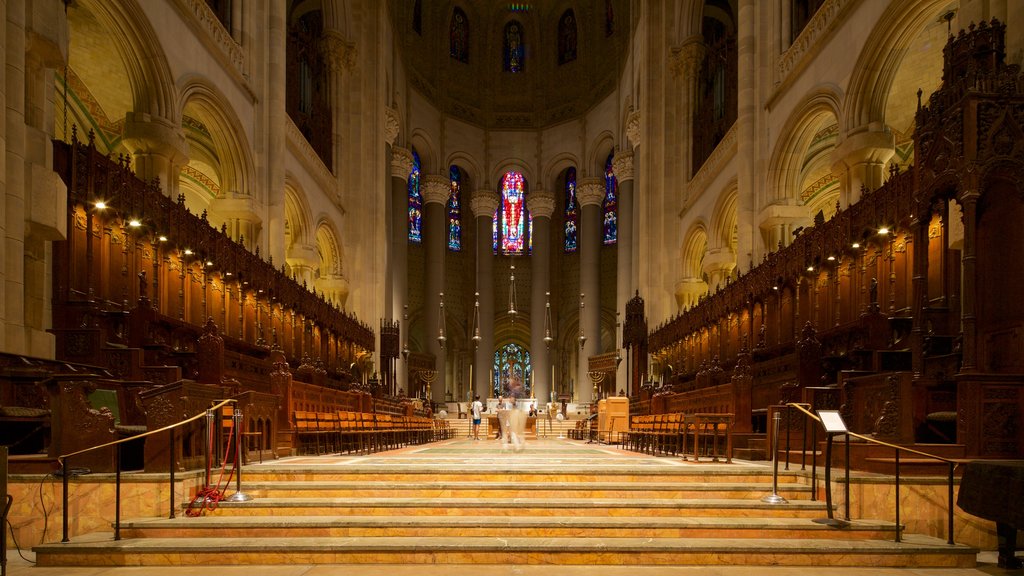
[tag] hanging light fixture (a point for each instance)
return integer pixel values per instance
(547, 320)
(405, 338)
(441, 339)
(512, 293)
(476, 319)
(582, 338)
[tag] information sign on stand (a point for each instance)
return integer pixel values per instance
(833, 423)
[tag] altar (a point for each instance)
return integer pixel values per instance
(531, 424)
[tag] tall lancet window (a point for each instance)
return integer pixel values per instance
(572, 210)
(455, 210)
(415, 202)
(512, 215)
(515, 53)
(458, 36)
(567, 37)
(611, 203)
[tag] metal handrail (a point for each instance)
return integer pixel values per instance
(951, 462)
(170, 428)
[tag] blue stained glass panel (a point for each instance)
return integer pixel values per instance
(571, 210)
(415, 202)
(611, 203)
(455, 210)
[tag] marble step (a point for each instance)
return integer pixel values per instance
(212, 525)
(505, 507)
(916, 551)
(620, 490)
(522, 471)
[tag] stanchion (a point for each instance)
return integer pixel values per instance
(238, 496)
(774, 497)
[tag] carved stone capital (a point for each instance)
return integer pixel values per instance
(622, 164)
(401, 162)
(339, 53)
(436, 189)
(687, 59)
(392, 126)
(590, 191)
(540, 203)
(484, 203)
(633, 127)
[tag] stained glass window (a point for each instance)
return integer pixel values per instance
(529, 237)
(512, 372)
(572, 210)
(513, 195)
(494, 229)
(567, 37)
(611, 203)
(514, 51)
(415, 202)
(458, 36)
(455, 210)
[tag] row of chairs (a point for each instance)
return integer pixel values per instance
(690, 435)
(363, 432)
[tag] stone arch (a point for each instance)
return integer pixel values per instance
(328, 275)
(692, 285)
(230, 153)
(145, 64)
(603, 145)
(876, 68)
(297, 216)
(786, 167)
(722, 233)
(689, 14)
(471, 172)
(503, 167)
(555, 169)
(423, 144)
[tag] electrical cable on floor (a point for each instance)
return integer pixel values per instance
(14, 539)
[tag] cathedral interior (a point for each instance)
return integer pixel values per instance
(721, 211)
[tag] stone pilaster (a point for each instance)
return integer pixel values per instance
(591, 193)
(436, 190)
(483, 203)
(541, 205)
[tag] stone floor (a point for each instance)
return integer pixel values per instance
(486, 455)
(18, 567)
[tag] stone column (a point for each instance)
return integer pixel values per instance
(302, 259)
(718, 264)
(483, 203)
(686, 62)
(860, 160)
(159, 147)
(590, 192)
(398, 239)
(436, 190)
(748, 137)
(541, 205)
(622, 164)
(276, 116)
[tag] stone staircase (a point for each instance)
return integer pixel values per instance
(466, 502)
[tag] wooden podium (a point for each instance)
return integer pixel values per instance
(612, 418)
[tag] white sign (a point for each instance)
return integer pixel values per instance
(832, 421)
